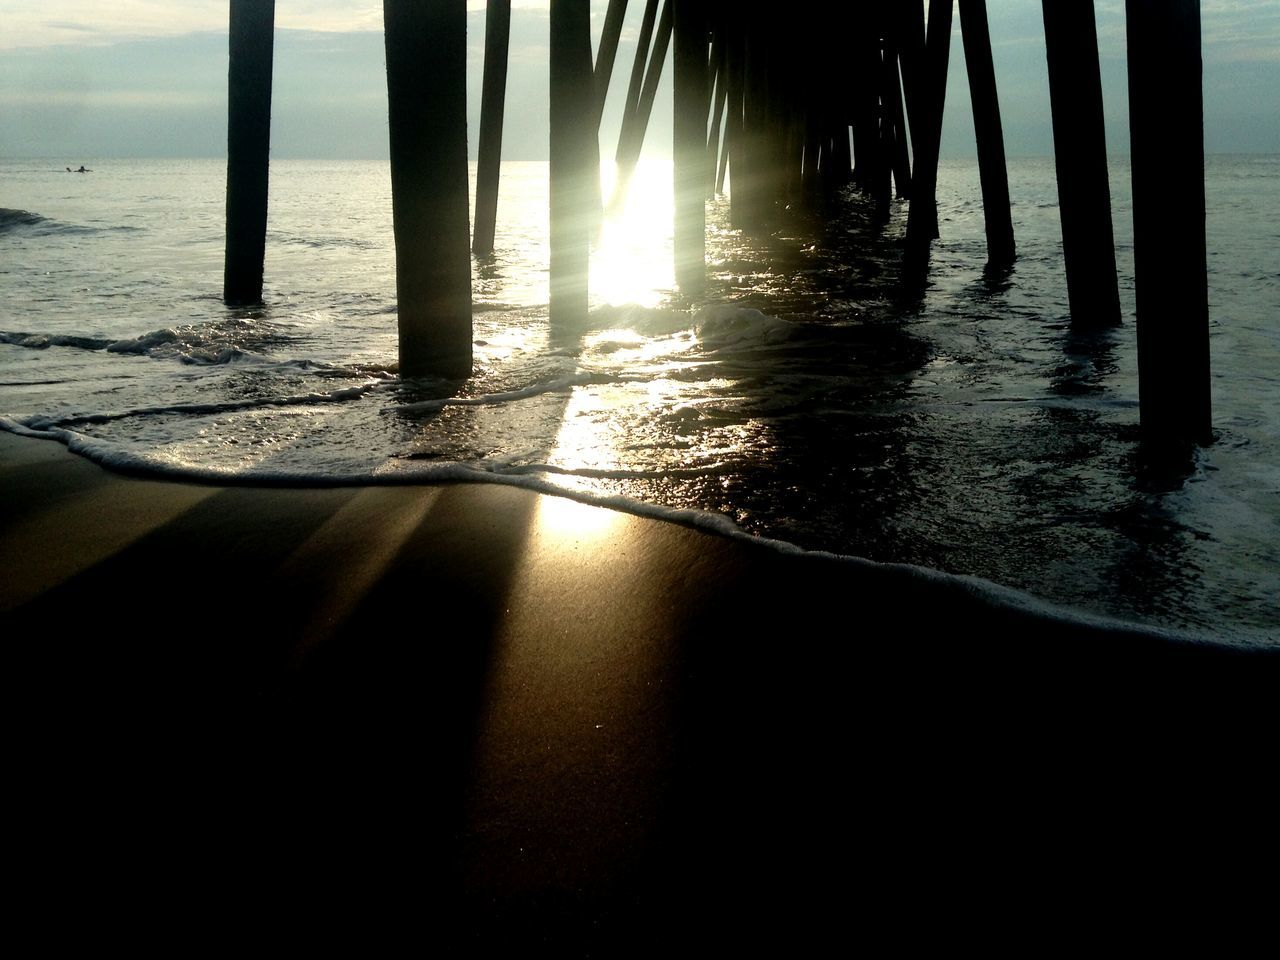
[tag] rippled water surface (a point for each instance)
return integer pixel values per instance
(969, 429)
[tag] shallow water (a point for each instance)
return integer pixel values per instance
(969, 430)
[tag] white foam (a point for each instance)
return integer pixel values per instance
(45, 423)
(722, 325)
(992, 594)
(559, 385)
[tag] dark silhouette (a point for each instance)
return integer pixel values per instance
(788, 99)
(1166, 123)
(988, 132)
(427, 103)
(635, 120)
(497, 31)
(922, 220)
(719, 81)
(607, 54)
(690, 143)
(248, 148)
(901, 157)
(573, 160)
(1080, 150)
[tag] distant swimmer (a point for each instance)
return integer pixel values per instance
(83, 170)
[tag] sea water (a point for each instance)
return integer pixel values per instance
(802, 400)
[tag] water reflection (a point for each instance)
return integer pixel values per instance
(1088, 363)
(956, 428)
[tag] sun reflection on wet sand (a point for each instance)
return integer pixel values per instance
(561, 523)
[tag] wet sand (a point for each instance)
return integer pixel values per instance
(475, 716)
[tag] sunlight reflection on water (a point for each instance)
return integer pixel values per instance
(969, 430)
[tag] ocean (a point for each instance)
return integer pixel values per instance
(803, 401)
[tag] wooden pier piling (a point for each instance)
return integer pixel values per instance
(720, 97)
(922, 218)
(1166, 132)
(988, 132)
(574, 178)
(252, 34)
(497, 33)
(643, 43)
(1080, 153)
(901, 156)
(426, 47)
(689, 142)
(634, 126)
(607, 54)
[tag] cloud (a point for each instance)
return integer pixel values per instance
(31, 23)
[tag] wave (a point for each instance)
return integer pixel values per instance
(42, 423)
(11, 219)
(591, 473)
(724, 325)
(43, 341)
(320, 243)
(560, 385)
(17, 221)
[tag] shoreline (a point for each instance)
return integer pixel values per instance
(996, 594)
(574, 726)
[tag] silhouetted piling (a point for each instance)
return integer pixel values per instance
(871, 146)
(901, 158)
(720, 96)
(841, 154)
(497, 32)
(1080, 151)
(907, 29)
(1166, 130)
(811, 171)
(689, 149)
(426, 46)
(631, 138)
(643, 43)
(607, 53)
(573, 179)
(755, 188)
(988, 131)
(252, 35)
(730, 158)
(922, 219)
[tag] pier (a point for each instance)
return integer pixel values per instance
(776, 108)
(499, 718)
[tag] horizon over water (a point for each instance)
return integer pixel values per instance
(802, 400)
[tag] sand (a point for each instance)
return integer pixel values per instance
(475, 716)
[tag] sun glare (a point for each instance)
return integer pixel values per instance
(632, 260)
(570, 524)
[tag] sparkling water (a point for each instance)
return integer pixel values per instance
(802, 400)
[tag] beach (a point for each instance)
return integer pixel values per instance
(541, 721)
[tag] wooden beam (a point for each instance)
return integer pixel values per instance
(689, 148)
(607, 53)
(574, 189)
(922, 219)
(252, 34)
(631, 139)
(497, 32)
(1166, 135)
(1080, 152)
(426, 46)
(992, 170)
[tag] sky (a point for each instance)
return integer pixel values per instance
(83, 79)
